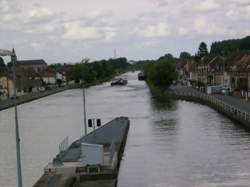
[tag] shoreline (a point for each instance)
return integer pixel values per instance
(242, 117)
(34, 96)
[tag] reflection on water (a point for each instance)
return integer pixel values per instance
(170, 143)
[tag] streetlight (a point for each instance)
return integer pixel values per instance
(13, 60)
(84, 109)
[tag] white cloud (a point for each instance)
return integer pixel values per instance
(130, 24)
(4, 6)
(207, 5)
(109, 36)
(147, 44)
(39, 13)
(183, 31)
(204, 27)
(40, 29)
(37, 46)
(158, 30)
(74, 31)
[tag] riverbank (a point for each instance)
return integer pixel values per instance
(234, 108)
(33, 96)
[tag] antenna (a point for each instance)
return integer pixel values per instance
(115, 53)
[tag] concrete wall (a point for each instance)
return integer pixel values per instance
(233, 113)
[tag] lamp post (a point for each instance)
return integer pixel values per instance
(13, 60)
(84, 110)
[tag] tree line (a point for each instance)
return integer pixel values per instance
(227, 47)
(98, 70)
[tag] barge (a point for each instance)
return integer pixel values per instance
(91, 161)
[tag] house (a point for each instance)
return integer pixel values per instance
(239, 70)
(6, 87)
(49, 77)
(217, 74)
(37, 65)
(203, 68)
(193, 75)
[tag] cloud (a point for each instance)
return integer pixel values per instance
(207, 5)
(71, 28)
(157, 30)
(203, 27)
(147, 44)
(74, 31)
(4, 6)
(37, 46)
(183, 31)
(40, 29)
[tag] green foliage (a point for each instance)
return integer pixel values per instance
(167, 56)
(98, 70)
(185, 55)
(141, 63)
(202, 51)
(2, 65)
(226, 47)
(161, 73)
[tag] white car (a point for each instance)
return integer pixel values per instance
(41, 89)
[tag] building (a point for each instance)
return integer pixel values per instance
(239, 71)
(49, 77)
(6, 87)
(37, 65)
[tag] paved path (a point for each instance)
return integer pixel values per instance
(233, 101)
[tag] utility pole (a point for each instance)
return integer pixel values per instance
(84, 61)
(84, 111)
(19, 171)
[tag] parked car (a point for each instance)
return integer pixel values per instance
(41, 89)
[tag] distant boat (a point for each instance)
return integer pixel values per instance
(119, 81)
(141, 76)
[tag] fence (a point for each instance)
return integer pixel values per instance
(231, 111)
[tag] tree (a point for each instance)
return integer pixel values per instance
(167, 56)
(202, 51)
(161, 73)
(185, 55)
(2, 65)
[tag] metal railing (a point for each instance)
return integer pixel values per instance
(219, 104)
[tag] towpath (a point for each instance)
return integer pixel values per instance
(239, 103)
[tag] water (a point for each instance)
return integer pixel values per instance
(170, 143)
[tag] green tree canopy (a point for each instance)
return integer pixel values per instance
(185, 55)
(167, 56)
(161, 73)
(2, 65)
(202, 51)
(227, 47)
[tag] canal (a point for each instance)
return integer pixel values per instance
(170, 143)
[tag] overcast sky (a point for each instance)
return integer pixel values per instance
(69, 30)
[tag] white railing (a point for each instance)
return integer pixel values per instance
(215, 101)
